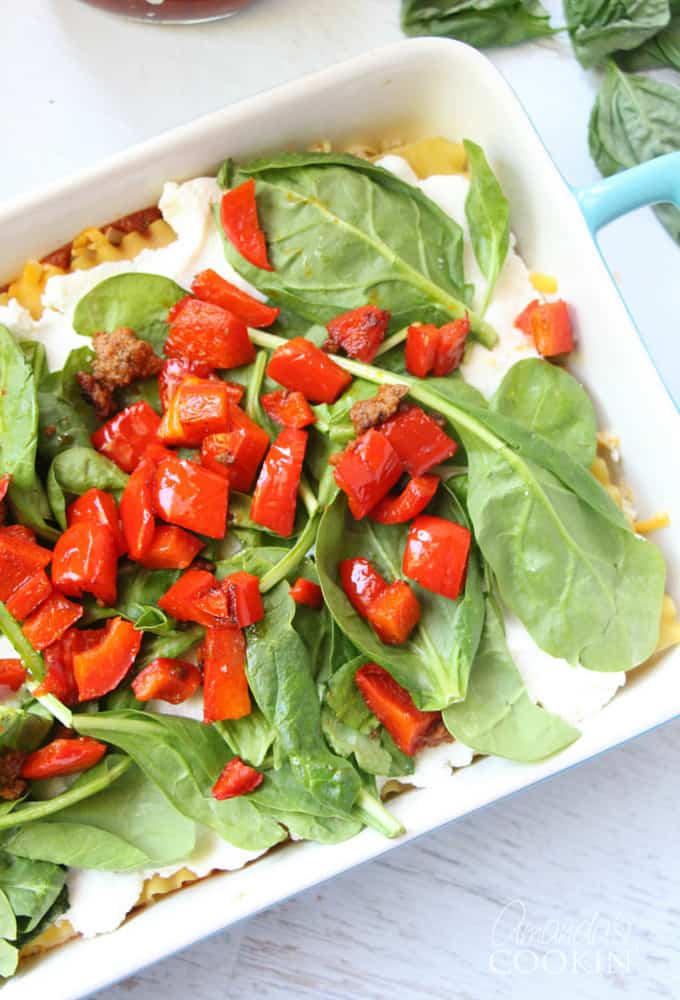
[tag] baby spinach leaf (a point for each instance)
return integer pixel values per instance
(18, 413)
(249, 738)
(661, 50)
(36, 355)
(77, 845)
(65, 418)
(32, 888)
(23, 729)
(482, 23)
(175, 644)
(134, 299)
(290, 802)
(343, 232)
(9, 959)
(8, 922)
(488, 215)
(345, 700)
(597, 29)
(497, 716)
(79, 469)
(372, 753)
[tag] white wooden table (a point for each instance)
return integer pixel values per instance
(570, 889)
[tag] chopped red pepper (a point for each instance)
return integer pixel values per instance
(212, 287)
(171, 548)
(551, 329)
(156, 452)
(191, 496)
(308, 593)
(213, 607)
(299, 364)
(367, 470)
(63, 756)
(290, 409)
(85, 561)
(450, 346)
(236, 779)
(202, 332)
(237, 454)
(412, 501)
(393, 707)
(196, 408)
(238, 214)
(360, 332)
(21, 531)
(137, 511)
(19, 557)
(180, 600)
(362, 583)
(124, 437)
(12, 673)
(225, 686)
(275, 496)
(59, 679)
(51, 620)
(4, 486)
(245, 600)
(174, 371)
(167, 680)
(421, 348)
(29, 595)
(394, 613)
(100, 507)
(418, 440)
(436, 555)
(523, 321)
(101, 667)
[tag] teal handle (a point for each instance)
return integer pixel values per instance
(647, 184)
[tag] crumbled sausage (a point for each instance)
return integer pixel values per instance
(96, 394)
(120, 359)
(368, 413)
(12, 786)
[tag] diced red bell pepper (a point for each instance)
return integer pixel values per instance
(236, 779)
(196, 408)
(12, 673)
(551, 329)
(167, 680)
(236, 455)
(213, 607)
(61, 757)
(360, 332)
(101, 667)
(59, 679)
(436, 555)
(421, 348)
(124, 437)
(4, 486)
(51, 620)
(275, 496)
(238, 214)
(308, 593)
(412, 501)
(100, 507)
(418, 440)
(212, 287)
(245, 599)
(299, 364)
(21, 531)
(85, 561)
(394, 613)
(171, 548)
(367, 470)
(191, 496)
(523, 320)
(19, 557)
(29, 595)
(180, 600)
(450, 346)
(137, 510)
(225, 686)
(174, 371)
(393, 706)
(362, 583)
(156, 452)
(202, 332)
(290, 409)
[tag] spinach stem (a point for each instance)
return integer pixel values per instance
(397, 338)
(291, 559)
(254, 386)
(370, 810)
(306, 494)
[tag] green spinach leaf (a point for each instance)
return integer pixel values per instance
(79, 469)
(23, 728)
(488, 215)
(250, 738)
(65, 420)
(140, 301)
(32, 888)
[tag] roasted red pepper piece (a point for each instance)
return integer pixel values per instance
(21, 531)
(225, 686)
(367, 470)
(171, 548)
(202, 332)
(12, 673)
(59, 679)
(412, 501)
(299, 364)
(4, 486)
(51, 620)
(436, 555)
(275, 496)
(523, 321)
(174, 371)
(236, 779)
(167, 680)
(421, 349)
(63, 756)
(238, 214)
(360, 332)
(290, 409)
(245, 600)
(100, 507)
(29, 595)
(85, 561)
(393, 706)
(236, 455)
(394, 613)
(551, 329)
(19, 558)
(418, 440)
(180, 600)
(213, 607)
(102, 666)
(308, 593)
(450, 346)
(362, 583)
(191, 496)
(124, 437)
(137, 511)
(196, 408)
(212, 287)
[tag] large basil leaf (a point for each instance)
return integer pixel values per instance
(661, 50)
(66, 420)
(481, 23)
(488, 215)
(136, 300)
(599, 28)
(76, 470)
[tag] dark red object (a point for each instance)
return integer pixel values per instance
(436, 555)
(29, 595)
(236, 779)
(191, 496)
(100, 507)
(360, 332)
(367, 470)
(124, 437)
(288, 408)
(225, 685)
(101, 667)
(299, 364)
(202, 332)
(51, 620)
(275, 496)
(85, 561)
(61, 757)
(308, 593)
(412, 501)
(212, 287)
(394, 613)
(238, 214)
(137, 510)
(171, 548)
(362, 583)
(12, 673)
(167, 680)
(393, 706)
(418, 440)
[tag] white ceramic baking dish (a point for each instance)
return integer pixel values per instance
(413, 89)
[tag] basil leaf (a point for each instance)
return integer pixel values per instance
(598, 29)
(482, 23)
(661, 50)
(136, 300)
(488, 215)
(79, 469)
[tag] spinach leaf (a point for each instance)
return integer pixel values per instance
(598, 29)
(549, 401)
(36, 355)
(32, 888)
(488, 215)
(343, 232)
(497, 716)
(249, 738)
(345, 700)
(8, 922)
(661, 50)
(9, 959)
(184, 759)
(23, 728)
(287, 799)
(481, 23)
(139, 301)
(79, 469)
(175, 643)
(372, 753)
(65, 419)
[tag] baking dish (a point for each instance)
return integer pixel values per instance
(416, 88)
